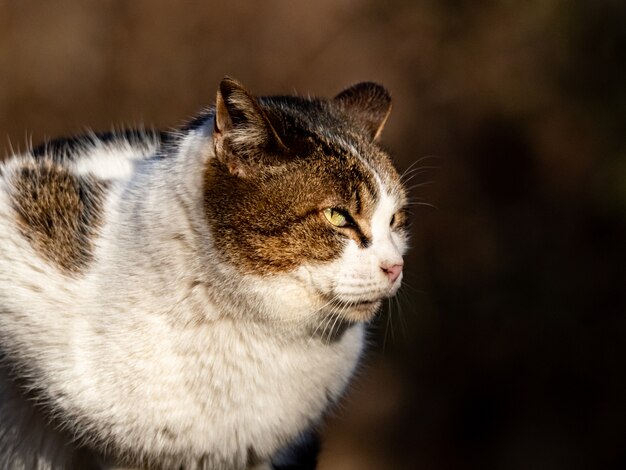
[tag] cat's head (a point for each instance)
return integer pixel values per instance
(298, 190)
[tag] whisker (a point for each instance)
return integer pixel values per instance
(406, 285)
(417, 162)
(339, 316)
(326, 319)
(386, 329)
(419, 171)
(393, 334)
(388, 326)
(329, 326)
(420, 203)
(332, 325)
(402, 296)
(419, 185)
(319, 325)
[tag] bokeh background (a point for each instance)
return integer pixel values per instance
(506, 347)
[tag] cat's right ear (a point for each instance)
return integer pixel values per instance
(242, 134)
(369, 103)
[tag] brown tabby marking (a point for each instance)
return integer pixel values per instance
(58, 213)
(272, 222)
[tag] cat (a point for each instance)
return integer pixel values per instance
(196, 298)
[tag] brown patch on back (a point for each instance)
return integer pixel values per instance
(58, 213)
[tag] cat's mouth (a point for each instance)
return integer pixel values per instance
(341, 314)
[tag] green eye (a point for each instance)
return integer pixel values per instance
(335, 217)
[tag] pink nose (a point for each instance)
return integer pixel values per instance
(393, 272)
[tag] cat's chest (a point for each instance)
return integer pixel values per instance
(223, 388)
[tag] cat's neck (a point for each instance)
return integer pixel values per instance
(158, 241)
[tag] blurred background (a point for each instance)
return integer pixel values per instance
(505, 348)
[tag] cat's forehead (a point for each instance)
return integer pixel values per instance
(321, 131)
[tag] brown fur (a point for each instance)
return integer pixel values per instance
(59, 213)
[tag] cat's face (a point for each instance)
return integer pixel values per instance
(367, 269)
(299, 190)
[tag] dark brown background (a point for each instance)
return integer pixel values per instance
(505, 349)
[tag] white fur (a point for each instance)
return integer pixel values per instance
(157, 347)
(107, 163)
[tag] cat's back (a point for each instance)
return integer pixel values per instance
(54, 201)
(102, 155)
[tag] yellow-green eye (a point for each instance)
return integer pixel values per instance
(335, 217)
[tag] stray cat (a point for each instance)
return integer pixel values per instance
(193, 299)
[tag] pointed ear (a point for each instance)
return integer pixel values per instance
(242, 133)
(369, 103)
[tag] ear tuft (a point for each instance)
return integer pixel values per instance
(369, 103)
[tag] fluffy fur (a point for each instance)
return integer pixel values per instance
(181, 300)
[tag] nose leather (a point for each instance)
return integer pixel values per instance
(392, 272)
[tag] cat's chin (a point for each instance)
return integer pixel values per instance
(362, 311)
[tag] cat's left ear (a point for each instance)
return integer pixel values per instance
(369, 103)
(243, 135)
